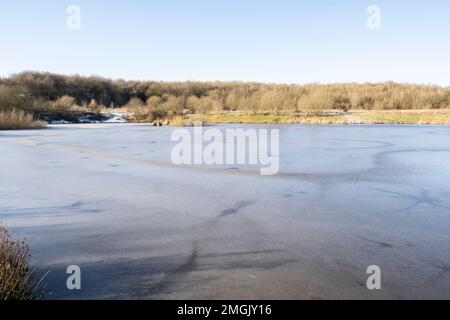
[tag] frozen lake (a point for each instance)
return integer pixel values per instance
(107, 198)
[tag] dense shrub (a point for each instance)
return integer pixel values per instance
(14, 98)
(64, 103)
(16, 281)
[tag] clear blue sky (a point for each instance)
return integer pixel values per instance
(249, 40)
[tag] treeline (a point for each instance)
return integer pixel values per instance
(44, 91)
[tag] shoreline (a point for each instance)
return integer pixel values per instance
(437, 117)
(357, 117)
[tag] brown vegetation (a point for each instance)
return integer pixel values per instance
(15, 274)
(18, 120)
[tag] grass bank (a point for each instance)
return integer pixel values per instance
(417, 117)
(278, 119)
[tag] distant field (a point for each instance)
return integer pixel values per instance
(441, 116)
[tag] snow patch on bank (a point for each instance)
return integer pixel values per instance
(59, 122)
(105, 118)
(116, 118)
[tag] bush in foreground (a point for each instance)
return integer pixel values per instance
(15, 273)
(18, 120)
